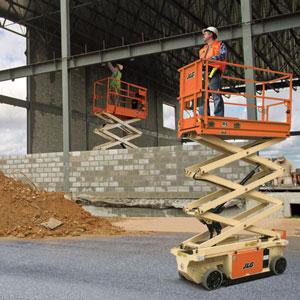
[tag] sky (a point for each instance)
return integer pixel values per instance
(169, 117)
(13, 119)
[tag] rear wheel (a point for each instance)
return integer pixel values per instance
(278, 265)
(212, 279)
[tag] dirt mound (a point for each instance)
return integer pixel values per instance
(23, 209)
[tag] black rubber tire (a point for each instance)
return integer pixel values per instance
(212, 279)
(180, 275)
(278, 265)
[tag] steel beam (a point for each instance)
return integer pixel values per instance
(194, 39)
(65, 53)
(13, 101)
(246, 12)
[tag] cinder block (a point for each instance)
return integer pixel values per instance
(143, 161)
(154, 172)
(188, 183)
(226, 170)
(118, 168)
(183, 189)
(99, 168)
(143, 172)
(130, 167)
(75, 153)
(197, 189)
(108, 157)
(171, 166)
(171, 177)
(173, 189)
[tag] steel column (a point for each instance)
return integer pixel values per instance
(28, 98)
(65, 53)
(248, 52)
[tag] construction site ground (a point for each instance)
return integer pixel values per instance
(192, 225)
(121, 267)
(88, 257)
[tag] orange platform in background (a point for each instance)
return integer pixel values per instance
(270, 123)
(130, 101)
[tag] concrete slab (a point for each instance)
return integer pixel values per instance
(122, 268)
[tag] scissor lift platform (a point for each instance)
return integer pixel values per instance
(233, 247)
(119, 108)
(234, 128)
(194, 87)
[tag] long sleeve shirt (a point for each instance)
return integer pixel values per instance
(112, 68)
(222, 55)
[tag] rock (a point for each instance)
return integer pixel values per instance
(20, 235)
(75, 233)
(52, 223)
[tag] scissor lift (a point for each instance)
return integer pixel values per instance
(234, 247)
(119, 109)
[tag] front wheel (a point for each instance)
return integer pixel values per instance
(212, 279)
(278, 265)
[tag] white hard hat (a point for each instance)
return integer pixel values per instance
(120, 67)
(211, 29)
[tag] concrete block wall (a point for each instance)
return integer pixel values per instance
(155, 173)
(145, 177)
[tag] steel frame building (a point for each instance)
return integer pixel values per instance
(156, 37)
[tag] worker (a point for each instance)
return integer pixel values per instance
(115, 81)
(213, 50)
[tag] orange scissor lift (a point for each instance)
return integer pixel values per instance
(234, 247)
(118, 108)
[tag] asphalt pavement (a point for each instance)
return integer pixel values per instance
(135, 267)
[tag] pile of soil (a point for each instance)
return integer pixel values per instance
(24, 208)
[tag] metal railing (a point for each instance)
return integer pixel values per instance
(120, 98)
(194, 88)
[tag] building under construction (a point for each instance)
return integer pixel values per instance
(73, 101)
(69, 44)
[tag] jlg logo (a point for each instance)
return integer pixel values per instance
(248, 265)
(191, 75)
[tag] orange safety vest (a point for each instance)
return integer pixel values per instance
(210, 51)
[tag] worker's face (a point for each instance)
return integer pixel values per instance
(207, 36)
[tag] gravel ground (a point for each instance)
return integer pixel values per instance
(121, 268)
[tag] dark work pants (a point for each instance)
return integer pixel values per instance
(214, 83)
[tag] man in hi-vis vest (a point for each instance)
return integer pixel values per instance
(214, 50)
